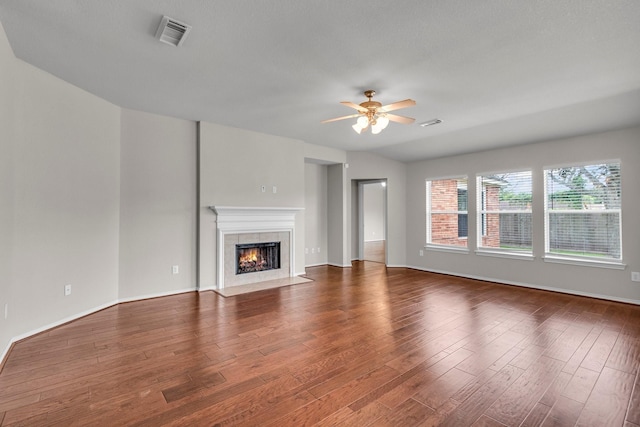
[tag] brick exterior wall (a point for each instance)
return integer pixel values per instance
(491, 239)
(444, 227)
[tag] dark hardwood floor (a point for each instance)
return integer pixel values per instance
(356, 347)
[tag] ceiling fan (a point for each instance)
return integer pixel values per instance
(375, 114)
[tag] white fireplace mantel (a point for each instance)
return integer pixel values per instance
(232, 220)
(254, 219)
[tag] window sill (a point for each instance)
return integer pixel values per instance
(442, 248)
(505, 254)
(583, 262)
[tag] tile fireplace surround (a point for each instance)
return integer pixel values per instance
(236, 225)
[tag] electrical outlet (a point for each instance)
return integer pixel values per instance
(318, 250)
(421, 252)
(67, 290)
(313, 250)
(275, 189)
(263, 188)
(306, 250)
(175, 269)
(635, 276)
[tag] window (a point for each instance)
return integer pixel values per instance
(504, 212)
(582, 212)
(463, 218)
(447, 216)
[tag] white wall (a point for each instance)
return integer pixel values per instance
(234, 165)
(368, 166)
(337, 236)
(67, 217)
(62, 214)
(614, 284)
(315, 211)
(8, 80)
(373, 203)
(157, 205)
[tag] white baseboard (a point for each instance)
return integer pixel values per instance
(158, 295)
(315, 265)
(83, 314)
(62, 321)
(338, 265)
(53, 325)
(5, 352)
(531, 286)
(163, 294)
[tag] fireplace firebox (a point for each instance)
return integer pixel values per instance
(254, 257)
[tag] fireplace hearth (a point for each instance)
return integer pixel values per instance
(255, 257)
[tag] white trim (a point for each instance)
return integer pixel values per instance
(570, 164)
(447, 177)
(63, 321)
(452, 249)
(505, 254)
(313, 265)
(339, 265)
(238, 219)
(584, 262)
(158, 295)
(6, 351)
(504, 171)
(531, 286)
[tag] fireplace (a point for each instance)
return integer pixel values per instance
(255, 257)
(237, 227)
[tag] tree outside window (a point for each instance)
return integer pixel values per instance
(583, 211)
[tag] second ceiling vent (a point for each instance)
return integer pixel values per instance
(171, 31)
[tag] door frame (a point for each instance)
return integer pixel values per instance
(361, 186)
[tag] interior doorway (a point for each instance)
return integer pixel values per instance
(372, 206)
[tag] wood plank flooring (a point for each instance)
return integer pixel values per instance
(355, 347)
(375, 251)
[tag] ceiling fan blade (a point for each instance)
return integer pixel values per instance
(355, 106)
(400, 119)
(398, 105)
(340, 118)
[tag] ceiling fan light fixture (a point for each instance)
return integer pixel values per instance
(357, 128)
(373, 113)
(382, 122)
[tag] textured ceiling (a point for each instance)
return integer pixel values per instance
(498, 73)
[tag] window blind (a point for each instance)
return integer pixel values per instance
(583, 211)
(504, 211)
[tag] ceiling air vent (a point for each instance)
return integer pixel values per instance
(172, 32)
(430, 123)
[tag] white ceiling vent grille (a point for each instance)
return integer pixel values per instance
(172, 32)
